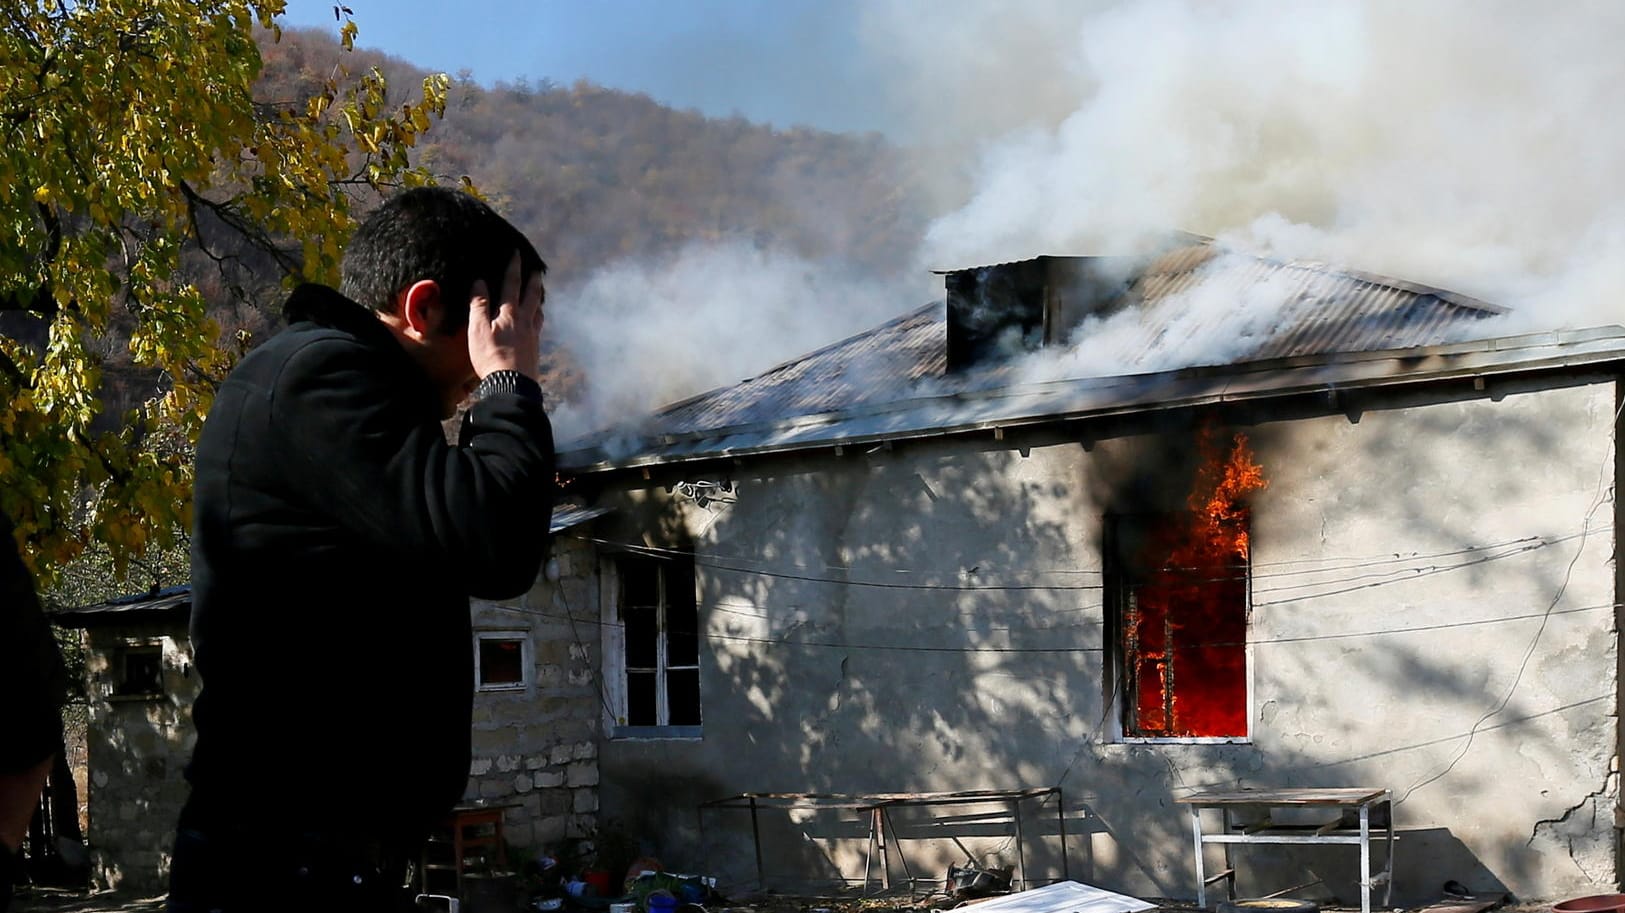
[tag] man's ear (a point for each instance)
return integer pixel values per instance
(421, 308)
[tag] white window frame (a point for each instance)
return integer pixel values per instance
(526, 663)
(615, 668)
(1116, 693)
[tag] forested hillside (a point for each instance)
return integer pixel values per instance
(597, 177)
(597, 174)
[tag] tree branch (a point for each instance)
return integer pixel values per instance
(256, 236)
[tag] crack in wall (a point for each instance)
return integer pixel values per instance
(1587, 832)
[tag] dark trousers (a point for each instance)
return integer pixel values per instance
(235, 871)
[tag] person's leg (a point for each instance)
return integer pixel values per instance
(19, 796)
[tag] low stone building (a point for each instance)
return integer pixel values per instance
(536, 707)
(141, 686)
(536, 720)
(1010, 542)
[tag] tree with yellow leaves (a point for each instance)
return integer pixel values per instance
(129, 136)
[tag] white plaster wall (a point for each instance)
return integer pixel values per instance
(1385, 652)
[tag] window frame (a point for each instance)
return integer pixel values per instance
(614, 655)
(527, 664)
(1118, 580)
(119, 671)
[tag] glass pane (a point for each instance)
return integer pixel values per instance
(1185, 626)
(502, 661)
(642, 636)
(640, 581)
(143, 671)
(682, 635)
(640, 699)
(683, 696)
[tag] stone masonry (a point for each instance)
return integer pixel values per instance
(137, 749)
(536, 749)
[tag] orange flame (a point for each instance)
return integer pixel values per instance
(1220, 527)
(1187, 624)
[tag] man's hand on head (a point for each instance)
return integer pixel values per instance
(507, 337)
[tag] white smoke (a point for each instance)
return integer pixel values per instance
(654, 332)
(1225, 316)
(1468, 145)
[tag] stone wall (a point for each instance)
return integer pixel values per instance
(137, 750)
(536, 749)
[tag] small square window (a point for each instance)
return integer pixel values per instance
(501, 660)
(138, 671)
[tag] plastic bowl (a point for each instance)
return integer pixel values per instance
(1596, 903)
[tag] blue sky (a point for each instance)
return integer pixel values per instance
(784, 62)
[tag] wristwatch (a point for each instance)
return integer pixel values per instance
(508, 382)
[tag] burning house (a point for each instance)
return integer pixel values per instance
(1119, 531)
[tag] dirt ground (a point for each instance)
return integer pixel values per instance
(55, 900)
(51, 900)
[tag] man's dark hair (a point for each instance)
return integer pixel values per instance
(433, 233)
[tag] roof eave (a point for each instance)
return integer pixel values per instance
(1250, 381)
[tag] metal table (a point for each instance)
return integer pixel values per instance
(1262, 830)
(877, 808)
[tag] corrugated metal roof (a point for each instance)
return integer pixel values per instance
(869, 367)
(566, 516)
(891, 381)
(176, 600)
(1317, 309)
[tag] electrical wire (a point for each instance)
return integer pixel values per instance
(914, 648)
(1526, 543)
(1603, 492)
(603, 686)
(1323, 564)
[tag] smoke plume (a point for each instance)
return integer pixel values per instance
(1465, 145)
(653, 332)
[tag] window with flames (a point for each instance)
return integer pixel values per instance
(1180, 588)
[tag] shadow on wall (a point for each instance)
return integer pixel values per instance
(137, 749)
(932, 618)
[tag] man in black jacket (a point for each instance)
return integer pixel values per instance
(337, 540)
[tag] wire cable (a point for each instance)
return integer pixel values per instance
(1526, 543)
(1603, 492)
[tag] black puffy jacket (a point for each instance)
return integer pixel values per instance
(337, 540)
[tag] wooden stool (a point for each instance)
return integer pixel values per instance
(474, 832)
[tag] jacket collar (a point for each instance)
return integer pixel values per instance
(324, 306)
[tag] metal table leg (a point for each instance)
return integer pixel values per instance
(1201, 876)
(1021, 852)
(1060, 824)
(756, 840)
(1388, 863)
(1365, 858)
